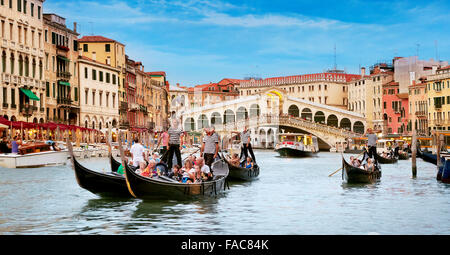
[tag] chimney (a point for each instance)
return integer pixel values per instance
(363, 72)
(178, 84)
(75, 27)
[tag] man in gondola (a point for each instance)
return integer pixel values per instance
(372, 144)
(175, 143)
(210, 146)
(246, 144)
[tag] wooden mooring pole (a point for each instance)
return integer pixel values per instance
(414, 153)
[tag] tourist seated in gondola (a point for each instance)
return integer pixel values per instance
(176, 173)
(249, 163)
(370, 165)
(206, 171)
(121, 169)
(155, 157)
(197, 175)
(143, 169)
(355, 162)
(185, 172)
(235, 159)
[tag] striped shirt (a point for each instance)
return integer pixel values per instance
(174, 135)
(210, 143)
(245, 136)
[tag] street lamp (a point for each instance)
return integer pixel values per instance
(27, 110)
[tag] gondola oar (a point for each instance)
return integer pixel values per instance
(342, 167)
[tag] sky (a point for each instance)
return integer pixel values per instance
(201, 41)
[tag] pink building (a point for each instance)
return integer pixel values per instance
(395, 109)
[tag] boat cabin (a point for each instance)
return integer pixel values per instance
(304, 142)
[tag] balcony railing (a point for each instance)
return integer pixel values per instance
(65, 75)
(64, 101)
(420, 113)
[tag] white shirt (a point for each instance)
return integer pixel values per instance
(205, 169)
(137, 150)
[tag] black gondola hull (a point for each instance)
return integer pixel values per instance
(241, 173)
(352, 174)
(289, 152)
(144, 187)
(99, 183)
(383, 160)
(114, 164)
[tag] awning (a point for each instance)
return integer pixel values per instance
(63, 58)
(64, 83)
(30, 94)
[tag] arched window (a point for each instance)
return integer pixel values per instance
(294, 111)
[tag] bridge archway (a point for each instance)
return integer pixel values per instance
(216, 119)
(358, 127)
(241, 113)
(332, 120)
(319, 117)
(189, 124)
(202, 121)
(346, 124)
(228, 116)
(255, 110)
(306, 114)
(294, 111)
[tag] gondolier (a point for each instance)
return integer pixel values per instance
(210, 146)
(246, 144)
(175, 143)
(372, 144)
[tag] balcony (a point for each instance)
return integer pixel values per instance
(133, 107)
(420, 114)
(63, 75)
(62, 47)
(6, 78)
(63, 101)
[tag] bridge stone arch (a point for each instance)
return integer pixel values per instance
(307, 114)
(241, 113)
(189, 124)
(319, 117)
(202, 121)
(216, 119)
(228, 116)
(332, 120)
(293, 110)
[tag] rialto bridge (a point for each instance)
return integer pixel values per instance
(271, 112)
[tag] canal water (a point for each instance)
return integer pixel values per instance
(291, 196)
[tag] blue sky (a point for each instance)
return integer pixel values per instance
(197, 42)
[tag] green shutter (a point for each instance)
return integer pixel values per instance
(63, 83)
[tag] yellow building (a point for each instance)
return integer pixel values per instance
(106, 51)
(22, 81)
(418, 107)
(438, 96)
(61, 76)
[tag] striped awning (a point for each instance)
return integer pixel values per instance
(30, 94)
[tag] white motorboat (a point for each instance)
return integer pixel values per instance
(36, 159)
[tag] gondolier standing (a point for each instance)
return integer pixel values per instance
(175, 143)
(372, 144)
(210, 146)
(246, 145)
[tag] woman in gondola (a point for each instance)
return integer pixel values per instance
(249, 163)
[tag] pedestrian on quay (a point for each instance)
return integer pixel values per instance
(210, 146)
(176, 135)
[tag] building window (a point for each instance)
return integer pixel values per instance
(47, 89)
(100, 75)
(39, 12)
(75, 91)
(85, 47)
(94, 75)
(85, 72)
(107, 47)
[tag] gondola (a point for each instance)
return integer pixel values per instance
(99, 183)
(238, 173)
(114, 163)
(430, 157)
(383, 160)
(351, 174)
(403, 156)
(164, 187)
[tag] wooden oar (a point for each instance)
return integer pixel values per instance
(341, 167)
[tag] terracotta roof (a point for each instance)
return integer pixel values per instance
(96, 38)
(403, 95)
(157, 73)
(444, 67)
(95, 61)
(391, 83)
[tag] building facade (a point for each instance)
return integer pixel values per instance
(61, 71)
(22, 52)
(418, 108)
(438, 99)
(99, 94)
(329, 88)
